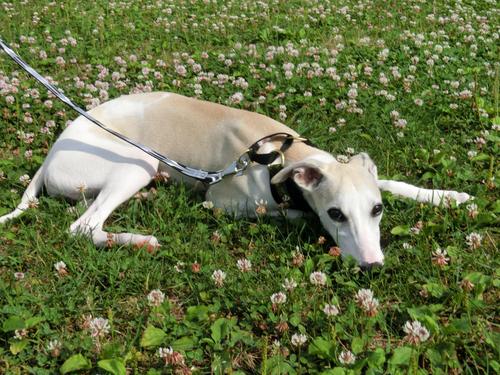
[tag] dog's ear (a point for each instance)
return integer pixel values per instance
(365, 161)
(306, 174)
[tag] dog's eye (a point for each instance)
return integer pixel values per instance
(377, 209)
(336, 215)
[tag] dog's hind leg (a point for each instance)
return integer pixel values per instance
(121, 186)
(436, 197)
(30, 194)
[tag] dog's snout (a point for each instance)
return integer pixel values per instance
(368, 266)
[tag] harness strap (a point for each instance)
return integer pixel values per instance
(268, 158)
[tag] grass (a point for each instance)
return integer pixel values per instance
(442, 79)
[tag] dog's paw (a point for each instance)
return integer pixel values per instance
(460, 197)
(150, 243)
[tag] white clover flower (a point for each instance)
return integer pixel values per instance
(208, 205)
(465, 94)
(164, 352)
(81, 187)
(99, 327)
(25, 179)
(244, 265)
(471, 154)
(218, 277)
(236, 98)
(342, 159)
(474, 240)
(156, 297)
(54, 347)
(33, 202)
(400, 123)
(346, 357)
(181, 70)
(179, 267)
(289, 284)
(415, 332)
(171, 357)
(364, 298)
(20, 334)
(331, 310)
(472, 210)
(363, 295)
(278, 298)
(370, 306)
(61, 268)
(298, 339)
(317, 278)
(439, 257)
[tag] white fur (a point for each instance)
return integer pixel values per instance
(112, 171)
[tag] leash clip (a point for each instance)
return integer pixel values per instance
(237, 167)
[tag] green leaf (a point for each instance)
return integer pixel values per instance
(357, 345)
(295, 319)
(434, 289)
(16, 346)
(401, 230)
(401, 356)
(376, 358)
(220, 329)
(152, 336)
(183, 344)
(308, 266)
(334, 371)
(197, 313)
(321, 347)
(74, 363)
(277, 365)
(115, 366)
(427, 176)
(13, 323)
(426, 315)
(458, 325)
(481, 157)
(434, 356)
(33, 321)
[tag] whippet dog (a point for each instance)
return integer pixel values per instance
(345, 196)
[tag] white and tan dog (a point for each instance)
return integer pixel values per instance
(209, 136)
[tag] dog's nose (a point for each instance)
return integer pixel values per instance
(368, 266)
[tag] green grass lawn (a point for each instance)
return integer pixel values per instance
(415, 84)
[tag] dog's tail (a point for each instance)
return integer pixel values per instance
(28, 197)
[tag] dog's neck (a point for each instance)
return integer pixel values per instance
(300, 151)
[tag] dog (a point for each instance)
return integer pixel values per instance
(87, 161)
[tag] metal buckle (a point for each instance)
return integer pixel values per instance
(282, 158)
(237, 167)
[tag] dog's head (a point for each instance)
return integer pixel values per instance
(346, 199)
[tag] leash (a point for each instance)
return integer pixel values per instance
(210, 177)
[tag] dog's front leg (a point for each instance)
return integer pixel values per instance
(436, 197)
